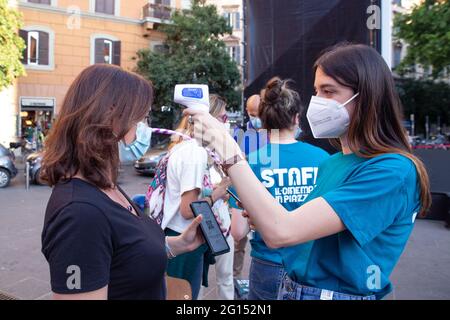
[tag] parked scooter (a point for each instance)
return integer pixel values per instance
(35, 162)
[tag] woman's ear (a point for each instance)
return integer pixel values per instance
(297, 120)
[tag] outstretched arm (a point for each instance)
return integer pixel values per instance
(278, 227)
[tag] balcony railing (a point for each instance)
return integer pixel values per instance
(158, 11)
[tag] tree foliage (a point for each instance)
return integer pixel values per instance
(11, 45)
(425, 98)
(194, 53)
(426, 30)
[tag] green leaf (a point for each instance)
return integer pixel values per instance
(11, 45)
(426, 31)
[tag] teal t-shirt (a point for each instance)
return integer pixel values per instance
(289, 172)
(377, 200)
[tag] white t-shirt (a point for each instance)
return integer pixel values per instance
(220, 207)
(187, 169)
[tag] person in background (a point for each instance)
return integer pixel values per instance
(188, 180)
(252, 108)
(224, 262)
(40, 138)
(253, 138)
(249, 141)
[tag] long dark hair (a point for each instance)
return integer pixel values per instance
(376, 124)
(82, 140)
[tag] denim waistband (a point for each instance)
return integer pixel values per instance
(291, 290)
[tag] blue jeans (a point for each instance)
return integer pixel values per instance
(196, 281)
(291, 290)
(265, 279)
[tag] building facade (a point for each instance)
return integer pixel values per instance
(232, 11)
(400, 47)
(65, 36)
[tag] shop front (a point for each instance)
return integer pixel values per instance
(36, 116)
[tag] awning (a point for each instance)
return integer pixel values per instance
(37, 104)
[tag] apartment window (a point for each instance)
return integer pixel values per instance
(166, 3)
(233, 19)
(159, 47)
(186, 4)
(161, 9)
(105, 6)
(32, 48)
(40, 1)
(235, 53)
(37, 51)
(106, 50)
(397, 54)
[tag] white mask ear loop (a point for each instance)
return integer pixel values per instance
(350, 100)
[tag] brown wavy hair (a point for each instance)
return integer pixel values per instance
(376, 124)
(103, 103)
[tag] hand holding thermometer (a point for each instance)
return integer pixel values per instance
(195, 96)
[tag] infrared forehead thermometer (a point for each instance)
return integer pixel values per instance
(195, 96)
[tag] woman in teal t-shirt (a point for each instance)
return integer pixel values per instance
(362, 211)
(288, 169)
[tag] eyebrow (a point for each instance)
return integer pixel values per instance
(325, 86)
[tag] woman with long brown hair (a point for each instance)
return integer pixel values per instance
(98, 244)
(362, 211)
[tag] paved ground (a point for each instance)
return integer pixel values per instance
(423, 271)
